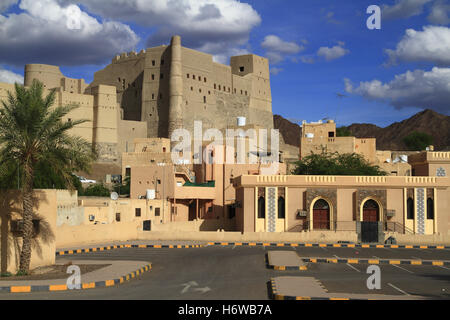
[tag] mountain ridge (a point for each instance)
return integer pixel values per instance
(388, 138)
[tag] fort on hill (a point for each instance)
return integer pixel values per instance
(151, 93)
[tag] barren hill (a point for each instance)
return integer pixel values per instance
(389, 138)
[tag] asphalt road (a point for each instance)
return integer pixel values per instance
(233, 272)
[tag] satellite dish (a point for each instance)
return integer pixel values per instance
(114, 196)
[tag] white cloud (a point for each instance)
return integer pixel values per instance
(10, 77)
(42, 34)
(277, 49)
(274, 43)
(418, 88)
(333, 53)
(432, 45)
(403, 9)
(220, 26)
(440, 13)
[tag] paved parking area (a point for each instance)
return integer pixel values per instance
(233, 272)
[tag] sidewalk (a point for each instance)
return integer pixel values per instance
(131, 242)
(285, 260)
(308, 288)
(116, 273)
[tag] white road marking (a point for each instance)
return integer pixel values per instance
(354, 268)
(323, 248)
(388, 249)
(394, 265)
(233, 247)
(398, 289)
(444, 267)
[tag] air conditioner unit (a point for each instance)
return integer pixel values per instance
(302, 213)
(390, 213)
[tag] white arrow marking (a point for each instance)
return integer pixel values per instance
(188, 285)
(203, 290)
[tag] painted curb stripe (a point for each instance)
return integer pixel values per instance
(276, 296)
(265, 244)
(377, 261)
(63, 287)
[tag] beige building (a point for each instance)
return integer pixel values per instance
(408, 205)
(109, 134)
(168, 87)
(318, 136)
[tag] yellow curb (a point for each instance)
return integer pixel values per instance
(416, 262)
(322, 245)
(109, 283)
(336, 245)
(302, 298)
(438, 263)
(21, 289)
(394, 261)
(332, 260)
(90, 285)
(353, 261)
(394, 246)
(58, 287)
(294, 245)
(280, 244)
(374, 261)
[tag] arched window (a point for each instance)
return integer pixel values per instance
(410, 209)
(321, 204)
(261, 208)
(281, 208)
(430, 208)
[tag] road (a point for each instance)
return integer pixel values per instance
(233, 272)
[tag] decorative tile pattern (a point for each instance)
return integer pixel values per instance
(271, 212)
(440, 172)
(420, 205)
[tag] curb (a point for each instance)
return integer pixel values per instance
(378, 261)
(287, 268)
(326, 245)
(84, 286)
(276, 296)
(86, 250)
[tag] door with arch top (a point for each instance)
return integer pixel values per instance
(321, 215)
(371, 211)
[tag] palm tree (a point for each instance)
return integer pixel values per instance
(32, 133)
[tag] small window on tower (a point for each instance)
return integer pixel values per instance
(153, 77)
(331, 134)
(153, 62)
(162, 62)
(241, 69)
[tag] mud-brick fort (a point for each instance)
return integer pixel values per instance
(151, 93)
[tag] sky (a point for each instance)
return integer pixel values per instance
(325, 62)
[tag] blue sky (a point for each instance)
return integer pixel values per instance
(317, 48)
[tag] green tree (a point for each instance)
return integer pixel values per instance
(347, 164)
(96, 190)
(418, 141)
(343, 132)
(123, 188)
(34, 136)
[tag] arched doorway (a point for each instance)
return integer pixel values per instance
(371, 211)
(321, 215)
